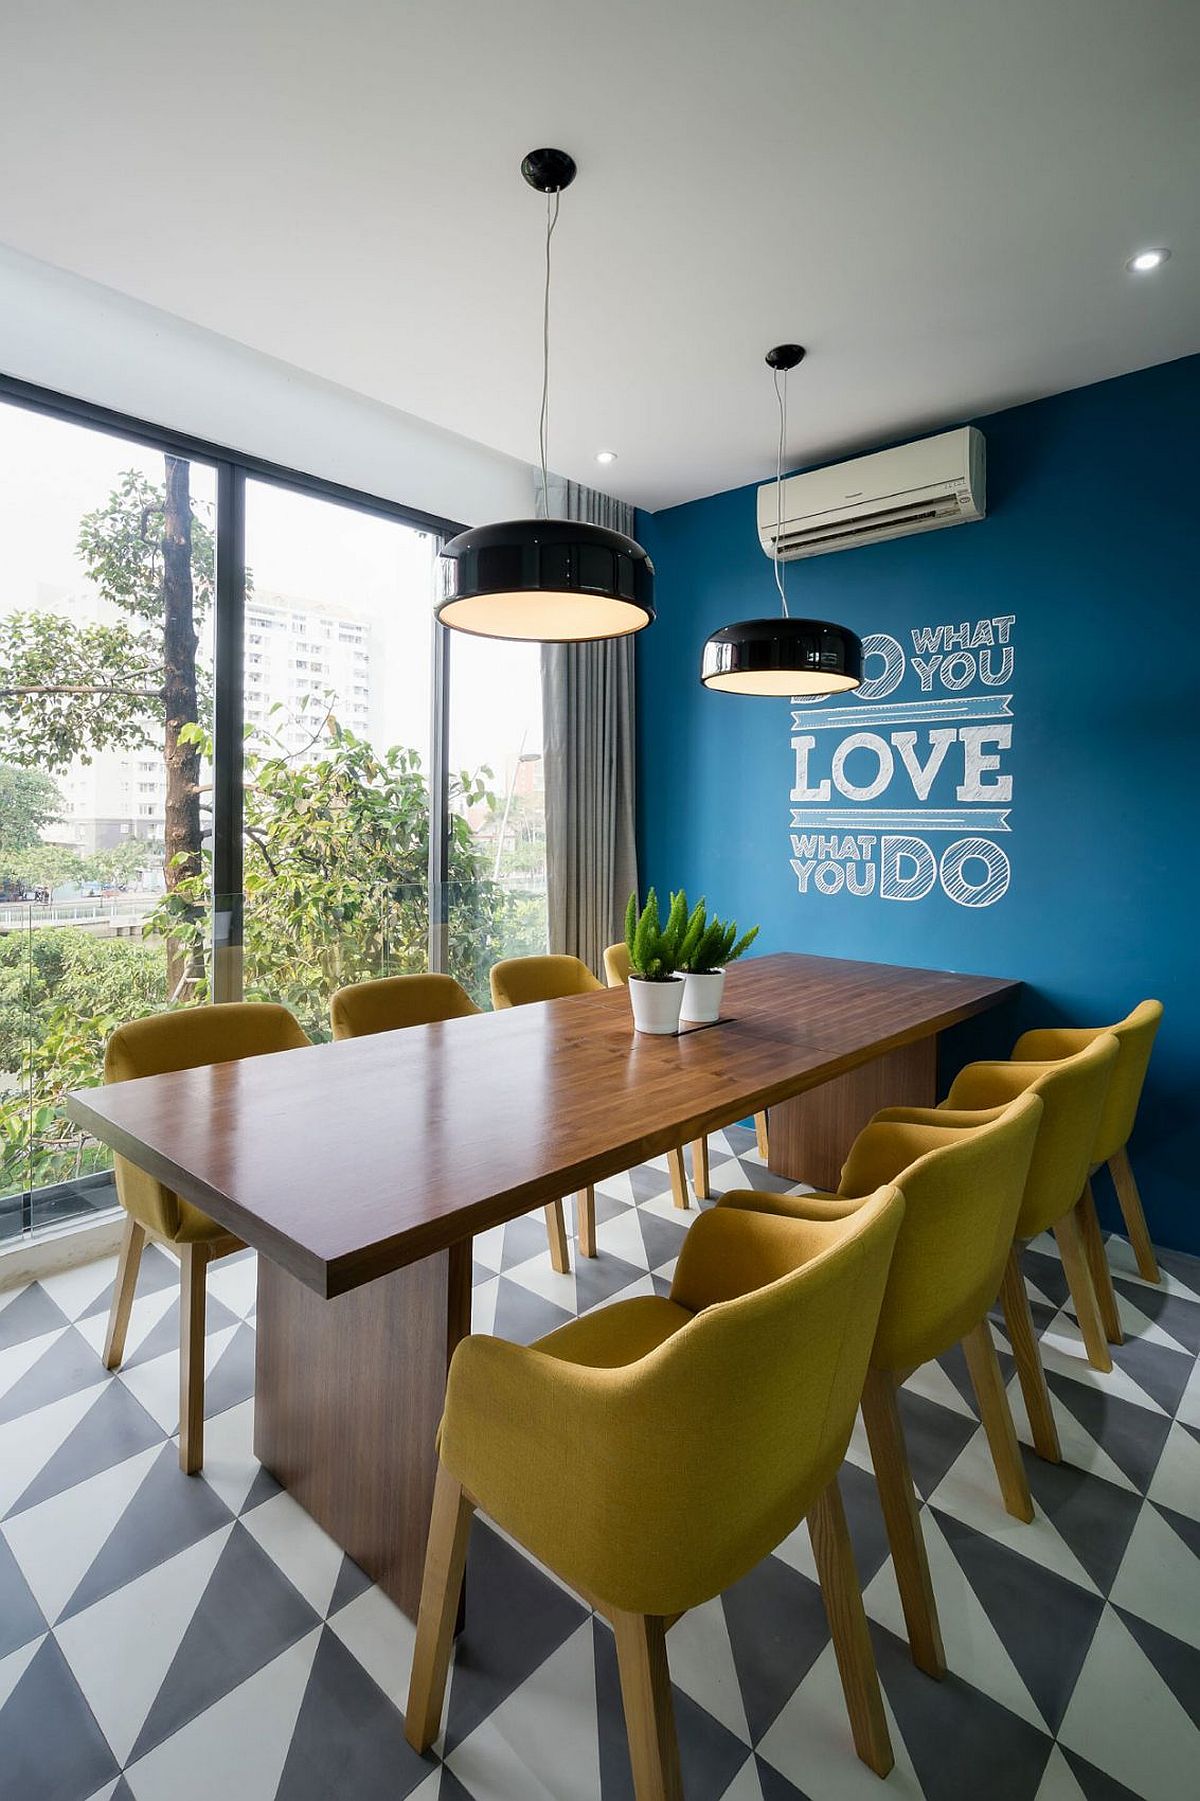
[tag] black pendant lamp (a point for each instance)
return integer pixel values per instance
(781, 655)
(547, 580)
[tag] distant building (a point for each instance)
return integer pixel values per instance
(296, 654)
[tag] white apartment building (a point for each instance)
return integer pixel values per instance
(296, 654)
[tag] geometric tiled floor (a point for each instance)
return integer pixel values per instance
(205, 1638)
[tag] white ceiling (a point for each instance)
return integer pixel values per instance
(936, 196)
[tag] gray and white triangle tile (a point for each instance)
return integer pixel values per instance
(56, 1542)
(1176, 1479)
(1165, 1745)
(28, 1443)
(294, 1542)
(121, 1647)
(207, 1635)
(239, 1746)
(381, 1639)
(544, 1733)
(1159, 1578)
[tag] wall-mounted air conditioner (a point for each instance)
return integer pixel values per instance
(915, 488)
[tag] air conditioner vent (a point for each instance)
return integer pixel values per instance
(918, 487)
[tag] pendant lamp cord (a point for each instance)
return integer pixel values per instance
(552, 200)
(781, 397)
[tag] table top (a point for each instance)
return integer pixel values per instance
(344, 1161)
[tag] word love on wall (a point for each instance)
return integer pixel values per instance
(902, 792)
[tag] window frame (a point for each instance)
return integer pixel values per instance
(232, 469)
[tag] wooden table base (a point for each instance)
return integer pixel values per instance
(348, 1395)
(811, 1134)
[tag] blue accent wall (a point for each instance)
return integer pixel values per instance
(1092, 546)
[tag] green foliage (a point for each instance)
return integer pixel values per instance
(336, 873)
(689, 941)
(46, 866)
(120, 863)
(69, 687)
(711, 944)
(55, 866)
(336, 845)
(29, 800)
(62, 991)
(654, 948)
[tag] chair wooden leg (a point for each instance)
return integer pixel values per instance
(1121, 1171)
(679, 1181)
(193, 1292)
(889, 1455)
(760, 1133)
(1079, 1281)
(1097, 1258)
(996, 1414)
(133, 1241)
(842, 1595)
(649, 1713)
(1014, 1299)
(585, 1221)
(556, 1232)
(700, 1169)
(441, 1587)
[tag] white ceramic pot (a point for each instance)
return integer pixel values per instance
(702, 996)
(656, 1005)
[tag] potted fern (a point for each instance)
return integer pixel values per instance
(707, 948)
(655, 989)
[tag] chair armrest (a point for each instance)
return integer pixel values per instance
(885, 1148)
(1050, 1044)
(994, 1085)
(519, 1423)
(749, 1240)
(941, 1115)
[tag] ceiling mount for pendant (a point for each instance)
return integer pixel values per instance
(549, 171)
(781, 656)
(559, 581)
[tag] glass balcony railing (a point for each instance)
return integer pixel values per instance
(71, 972)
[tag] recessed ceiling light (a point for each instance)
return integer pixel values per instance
(1146, 260)
(606, 456)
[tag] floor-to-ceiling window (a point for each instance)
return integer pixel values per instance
(336, 773)
(496, 889)
(218, 680)
(106, 631)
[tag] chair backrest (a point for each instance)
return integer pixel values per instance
(962, 1188)
(188, 1038)
(518, 980)
(393, 1002)
(1073, 1092)
(616, 965)
(739, 1420)
(1135, 1037)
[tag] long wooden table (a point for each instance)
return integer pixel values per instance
(360, 1171)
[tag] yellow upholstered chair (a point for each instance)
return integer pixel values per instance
(187, 1039)
(393, 1002)
(516, 982)
(728, 1406)
(962, 1188)
(1073, 1092)
(1135, 1037)
(616, 970)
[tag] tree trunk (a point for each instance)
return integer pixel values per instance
(182, 833)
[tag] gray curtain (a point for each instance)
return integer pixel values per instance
(588, 725)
